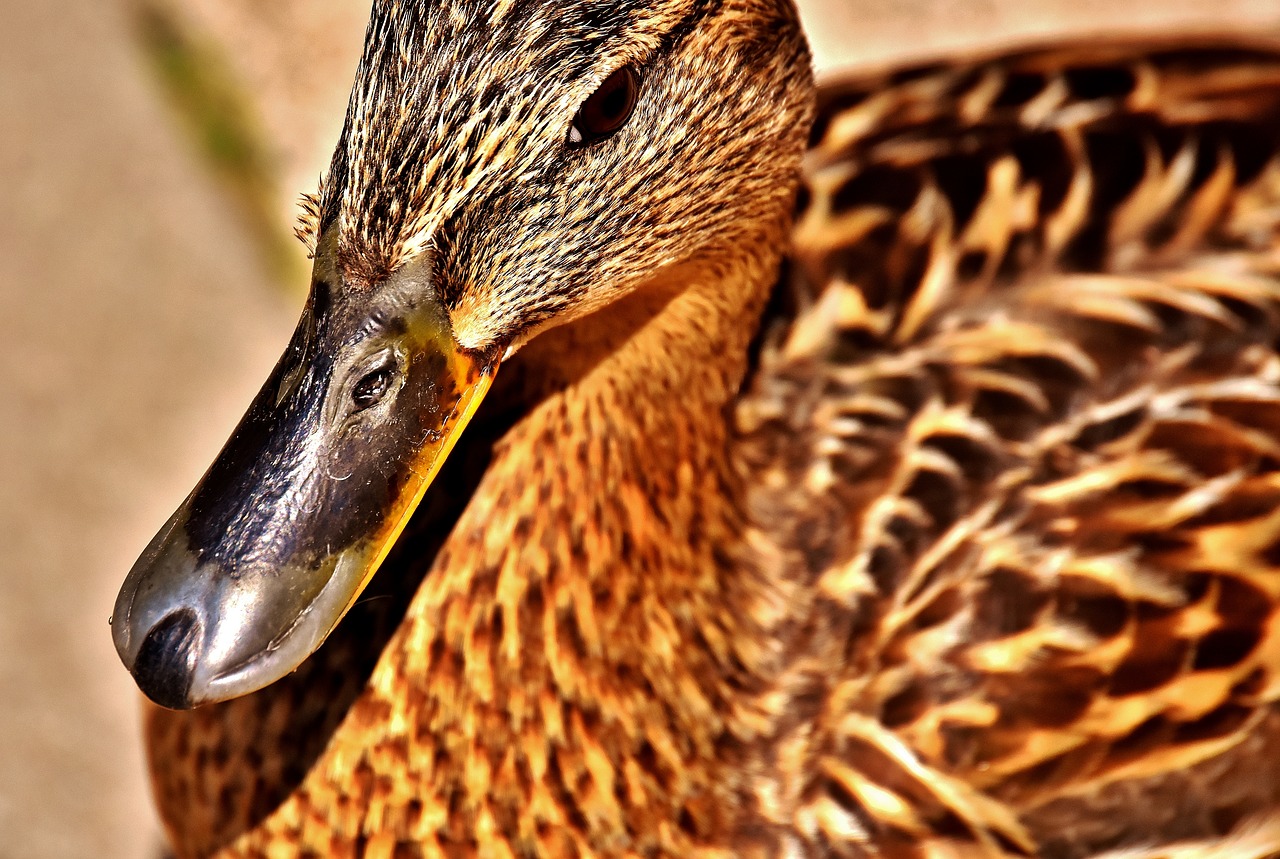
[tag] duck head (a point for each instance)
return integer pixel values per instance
(505, 166)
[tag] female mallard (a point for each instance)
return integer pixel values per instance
(962, 538)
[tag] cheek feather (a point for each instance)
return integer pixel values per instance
(480, 164)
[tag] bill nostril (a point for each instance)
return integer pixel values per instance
(166, 661)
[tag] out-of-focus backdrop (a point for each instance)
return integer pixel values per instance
(150, 154)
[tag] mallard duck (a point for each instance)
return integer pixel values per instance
(886, 468)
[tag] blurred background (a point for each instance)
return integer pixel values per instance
(150, 158)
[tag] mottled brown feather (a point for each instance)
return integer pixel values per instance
(982, 559)
(1026, 416)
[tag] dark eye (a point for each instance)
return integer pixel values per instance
(372, 388)
(608, 108)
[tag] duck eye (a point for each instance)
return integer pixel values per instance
(607, 109)
(371, 388)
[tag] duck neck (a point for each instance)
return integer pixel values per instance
(585, 598)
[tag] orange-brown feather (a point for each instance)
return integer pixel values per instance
(979, 560)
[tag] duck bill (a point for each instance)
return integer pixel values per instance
(304, 502)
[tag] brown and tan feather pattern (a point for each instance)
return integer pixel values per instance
(1034, 464)
(982, 559)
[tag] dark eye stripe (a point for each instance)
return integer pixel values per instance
(607, 109)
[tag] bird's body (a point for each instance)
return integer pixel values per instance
(959, 538)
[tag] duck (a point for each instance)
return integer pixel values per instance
(750, 467)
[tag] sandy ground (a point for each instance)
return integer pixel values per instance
(137, 318)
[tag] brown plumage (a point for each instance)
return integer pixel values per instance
(968, 546)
